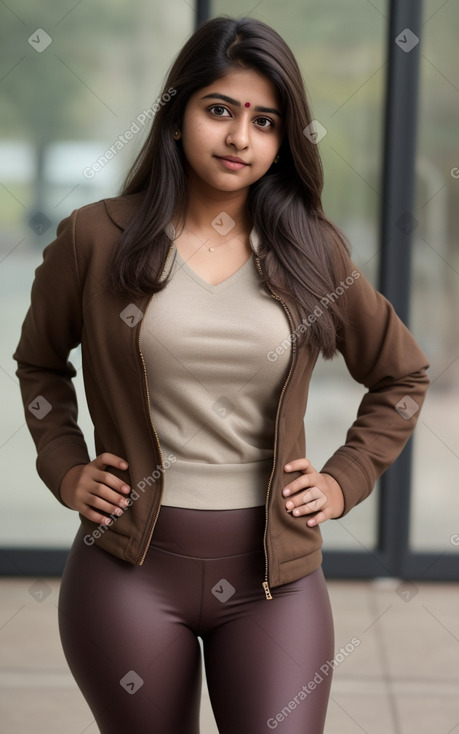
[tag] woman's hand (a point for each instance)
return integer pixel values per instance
(323, 494)
(88, 488)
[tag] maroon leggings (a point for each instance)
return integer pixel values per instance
(130, 633)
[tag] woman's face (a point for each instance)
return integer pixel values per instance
(237, 116)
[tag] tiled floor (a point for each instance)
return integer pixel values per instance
(402, 677)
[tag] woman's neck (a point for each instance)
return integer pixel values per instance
(212, 210)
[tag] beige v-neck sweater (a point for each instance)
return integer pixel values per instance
(213, 390)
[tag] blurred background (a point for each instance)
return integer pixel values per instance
(383, 80)
(76, 76)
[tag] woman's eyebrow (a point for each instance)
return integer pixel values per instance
(235, 102)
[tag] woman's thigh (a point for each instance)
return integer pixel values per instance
(130, 650)
(129, 632)
(263, 664)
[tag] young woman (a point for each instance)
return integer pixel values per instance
(202, 298)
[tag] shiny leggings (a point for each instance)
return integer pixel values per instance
(130, 633)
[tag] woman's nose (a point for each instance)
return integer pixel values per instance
(239, 133)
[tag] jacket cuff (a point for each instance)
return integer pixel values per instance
(355, 483)
(55, 461)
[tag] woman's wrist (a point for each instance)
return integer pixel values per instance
(336, 494)
(68, 482)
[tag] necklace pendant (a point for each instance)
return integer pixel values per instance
(211, 249)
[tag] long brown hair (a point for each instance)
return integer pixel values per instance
(303, 254)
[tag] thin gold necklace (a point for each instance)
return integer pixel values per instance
(213, 247)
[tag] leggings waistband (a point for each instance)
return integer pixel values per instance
(209, 533)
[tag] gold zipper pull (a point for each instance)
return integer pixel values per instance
(267, 590)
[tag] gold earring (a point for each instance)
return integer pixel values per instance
(177, 135)
(276, 159)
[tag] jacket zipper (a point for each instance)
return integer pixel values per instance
(265, 583)
(145, 550)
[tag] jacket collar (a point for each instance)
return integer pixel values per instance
(121, 209)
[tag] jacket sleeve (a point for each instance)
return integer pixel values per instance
(52, 327)
(381, 354)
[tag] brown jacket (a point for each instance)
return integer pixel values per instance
(71, 304)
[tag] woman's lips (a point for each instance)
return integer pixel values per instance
(231, 163)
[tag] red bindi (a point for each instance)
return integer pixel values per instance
(247, 104)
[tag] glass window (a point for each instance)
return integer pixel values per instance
(75, 78)
(435, 292)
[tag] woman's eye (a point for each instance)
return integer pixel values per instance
(268, 123)
(218, 110)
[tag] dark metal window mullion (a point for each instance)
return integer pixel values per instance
(397, 226)
(202, 12)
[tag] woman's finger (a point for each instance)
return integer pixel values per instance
(108, 459)
(306, 481)
(307, 502)
(100, 503)
(318, 519)
(107, 479)
(302, 464)
(95, 516)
